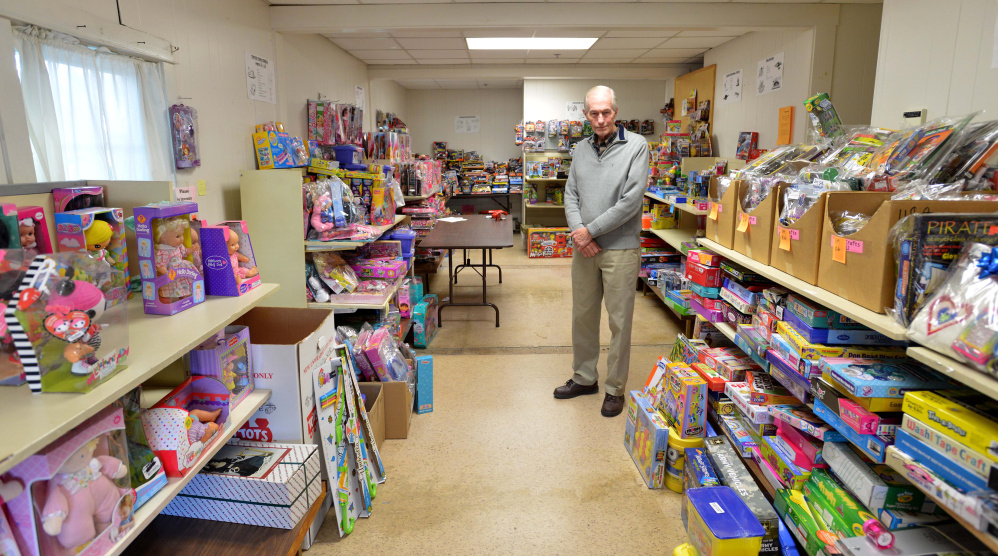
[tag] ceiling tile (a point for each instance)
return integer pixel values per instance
(405, 2)
(497, 60)
(367, 44)
(621, 43)
(442, 61)
(452, 54)
(693, 42)
(594, 32)
(500, 83)
(490, 32)
(716, 32)
(457, 83)
(674, 52)
(388, 63)
(426, 33)
(380, 54)
(432, 44)
(616, 54)
(625, 33)
(485, 54)
(357, 35)
(554, 54)
(605, 60)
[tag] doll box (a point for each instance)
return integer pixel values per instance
(424, 384)
(76, 198)
(876, 485)
(721, 219)
(424, 321)
(228, 358)
(182, 274)
(34, 217)
(254, 483)
(220, 275)
(868, 276)
(171, 429)
(71, 230)
(753, 235)
(796, 248)
(720, 523)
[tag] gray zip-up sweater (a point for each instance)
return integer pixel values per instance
(604, 193)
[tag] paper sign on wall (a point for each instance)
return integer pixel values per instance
(786, 128)
(770, 75)
(575, 111)
(731, 90)
(467, 124)
(183, 193)
(358, 96)
(260, 79)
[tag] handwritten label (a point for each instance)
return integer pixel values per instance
(851, 245)
(752, 220)
(784, 239)
(714, 209)
(743, 222)
(838, 249)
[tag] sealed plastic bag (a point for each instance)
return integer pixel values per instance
(971, 160)
(847, 223)
(335, 272)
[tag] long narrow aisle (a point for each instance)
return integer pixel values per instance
(500, 466)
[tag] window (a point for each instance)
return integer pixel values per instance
(92, 114)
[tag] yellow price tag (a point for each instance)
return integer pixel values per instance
(743, 222)
(839, 249)
(785, 239)
(713, 211)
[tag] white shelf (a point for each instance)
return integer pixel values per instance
(674, 237)
(152, 508)
(726, 329)
(343, 245)
(381, 305)
(544, 205)
(154, 342)
(876, 321)
(983, 383)
(685, 207)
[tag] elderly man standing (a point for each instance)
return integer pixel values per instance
(606, 183)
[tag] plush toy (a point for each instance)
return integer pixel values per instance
(82, 497)
(322, 217)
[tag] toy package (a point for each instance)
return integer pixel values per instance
(100, 233)
(720, 523)
(956, 420)
(185, 422)
(226, 356)
(34, 231)
(334, 211)
(876, 485)
(824, 119)
(76, 198)
(229, 263)
(145, 470)
(170, 280)
(973, 160)
(68, 336)
(733, 473)
(549, 243)
(748, 143)
(809, 529)
(77, 498)
(870, 378)
(184, 131)
(424, 321)
(276, 149)
(646, 438)
(969, 458)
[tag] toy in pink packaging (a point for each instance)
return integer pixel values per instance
(226, 357)
(229, 264)
(385, 358)
(100, 233)
(170, 281)
(76, 497)
(184, 131)
(181, 425)
(385, 269)
(34, 231)
(361, 357)
(76, 198)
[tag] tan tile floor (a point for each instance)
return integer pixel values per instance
(500, 467)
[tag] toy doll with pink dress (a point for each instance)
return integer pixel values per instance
(171, 281)
(229, 265)
(33, 230)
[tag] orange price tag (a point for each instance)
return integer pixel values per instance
(839, 249)
(713, 211)
(785, 239)
(743, 222)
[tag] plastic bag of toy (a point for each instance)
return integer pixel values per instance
(961, 319)
(972, 158)
(335, 272)
(723, 183)
(316, 287)
(806, 189)
(184, 131)
(847, 223)
(334, 213)
(759, 187)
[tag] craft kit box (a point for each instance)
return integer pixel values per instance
(940, 463)
(860, 267)
(954, 420)
(255, 483)
(817, 316)
(972, 459)
(787, 376)
(288, 345)
(872, 446)
(737, 434)
(876, 485)
(733, 473)
(720, 523)
(753, 235)
(782, 461)
(796, 247)
(721, 219)
(870, 378)
(856, 416)
(650, 442)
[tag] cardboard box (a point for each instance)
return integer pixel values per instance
(876, 485)
(967, 457)
(649, 442)
(374, 404)
(398, 409)
(868, 276)
(721, 218)
(954, 420)
(967, 506)
(753, 235)
(288, 345)
(811, 534)
(549, 243)
(796, 248)
(871, 445)
(733, 473)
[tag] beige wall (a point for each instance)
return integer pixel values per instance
(432, 112)
(855, 68)
(937, 56)
(545, 99)
(389, 96)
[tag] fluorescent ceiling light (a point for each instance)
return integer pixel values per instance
(530, 43)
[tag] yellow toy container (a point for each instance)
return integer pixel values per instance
(721, 523)
(675, 458)
(685, 549)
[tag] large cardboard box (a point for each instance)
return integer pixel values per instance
(721, 218)
(796, 247)
(374, 403)
(753, 234)
(398, 409)
(868, 276)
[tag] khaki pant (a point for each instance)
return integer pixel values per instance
(610, 276)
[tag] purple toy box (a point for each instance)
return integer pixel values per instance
(385, 269)
(227, 357)
(76, 198)
(229, 264)
(171, 281)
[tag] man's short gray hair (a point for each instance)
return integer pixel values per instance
(601, 89)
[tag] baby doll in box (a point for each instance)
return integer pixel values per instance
(229, 263)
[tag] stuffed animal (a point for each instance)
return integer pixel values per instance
(322, 217)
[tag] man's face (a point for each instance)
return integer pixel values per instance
(601, 114)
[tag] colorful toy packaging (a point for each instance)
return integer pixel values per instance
(10, 233)
(76, 198)
(837, 508)
(276, 149)
(185, 422)
(720, 523)
(184, 132)
(171, 282)
(808, 528)
(229, 264)
(34, 231)
(549, 243)
(955, 420)
(801, 418)
(226, 356)
(876, 485)
(424, 384)
(869, 378)
(424, 321)
(68, 337)
(872, 446)
(782, 460)
(732, 472)
(144, 468)
(71, 486)
(969, 458)
(99, 232)
(649, 439)
(690, 393)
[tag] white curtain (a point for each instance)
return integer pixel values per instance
(92, 114)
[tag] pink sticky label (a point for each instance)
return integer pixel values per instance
(751, 220)
(852, 245)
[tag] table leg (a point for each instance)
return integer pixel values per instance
(450, 286)
(485, 285)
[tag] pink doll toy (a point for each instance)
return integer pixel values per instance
(34, 230)
(98, 237)
(28, 242)
(171, 254)
(196, 246)
(229, 264)
(171, 282)
(237, 259)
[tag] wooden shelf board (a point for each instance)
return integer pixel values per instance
(344, 245)
(148, 512)
(878, 322)
(154, 342)
(985, 538)
(726, 329)
(546, 180)
(668, 302)
(983, 383)
(674, 237)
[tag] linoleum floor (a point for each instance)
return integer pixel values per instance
(499, 466)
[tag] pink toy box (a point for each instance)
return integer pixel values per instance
(171, 281)
(97, 448)
(229, 265)
(385, 358)
(9, 223)
(71, 231)
(188, 420)
(76, 198)
(226, 356)
(385, 269)
(34, 230)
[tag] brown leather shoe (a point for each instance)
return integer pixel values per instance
(612, 405)
(572, 389)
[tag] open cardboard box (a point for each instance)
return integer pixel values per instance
(721, 218)
(374, 404)
(868, 275)
(753, 234)
(398, 409)
(796, 247)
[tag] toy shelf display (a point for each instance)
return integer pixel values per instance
(544, 177)
(842, 428)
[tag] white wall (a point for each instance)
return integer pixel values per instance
(756, 112)
(432, 112)
(389, 96)
(545, 99)
(855, 65)
(937, 56)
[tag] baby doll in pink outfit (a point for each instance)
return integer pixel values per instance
(236, 258)
(171, 254)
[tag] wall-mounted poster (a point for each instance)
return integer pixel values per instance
(770, 75)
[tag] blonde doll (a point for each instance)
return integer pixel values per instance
(168, 233)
